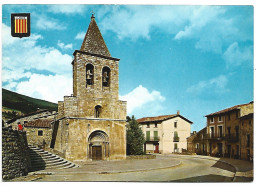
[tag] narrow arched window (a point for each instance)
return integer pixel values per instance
(97, 111)
(106, 77)
(89, 74)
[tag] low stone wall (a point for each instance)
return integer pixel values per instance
(15, 154)
(131, 157)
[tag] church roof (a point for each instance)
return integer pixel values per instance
(93, 42)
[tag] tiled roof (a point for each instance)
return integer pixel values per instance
(160, 118)
(93, 42)
(228, 109)
(26, 115)
(39, 123)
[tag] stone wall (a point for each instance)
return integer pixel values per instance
(15, 154)
(36, 140)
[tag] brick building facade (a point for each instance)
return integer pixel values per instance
(91, 122)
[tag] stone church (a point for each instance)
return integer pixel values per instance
(91, 122)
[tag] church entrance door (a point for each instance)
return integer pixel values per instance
(96, 153)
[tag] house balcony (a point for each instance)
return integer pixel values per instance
(176, 139)
(213, 136)
(232, 137)
(153, 139)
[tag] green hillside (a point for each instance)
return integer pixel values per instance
(14, 102)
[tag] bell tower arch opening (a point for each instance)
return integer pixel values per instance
(106, 76)
(98, 145)
(89, 74)
(98, 110)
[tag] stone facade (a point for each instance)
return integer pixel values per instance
(91, 123)
(39, 132)
(196, 143)
(15, 154)
(247, 136)
(165, 134)
(229, 132)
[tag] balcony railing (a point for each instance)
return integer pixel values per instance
(227, 137)
(232, 137)
(213, 136)
(176, 139)
(153, 138)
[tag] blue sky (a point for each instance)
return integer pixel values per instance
(196, 59)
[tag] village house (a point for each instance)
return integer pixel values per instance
(165, 134)
(39, 114)
(229, 133)
(91, 123)
(196, 143)
(39, 132)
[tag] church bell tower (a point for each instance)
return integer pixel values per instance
(92, 120)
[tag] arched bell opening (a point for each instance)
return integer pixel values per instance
(98, 145)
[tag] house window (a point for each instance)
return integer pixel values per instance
(155, 134)
(220, 131)
(25, 122)
(147, 135)
(249, 122)
(229, 132)
(228, 117)
(197, 146)
(106, 77)
(175, 147)
(219, 118)
(175, 124)
(148, 125)
(176, 138)
(237, 114)
(40, 133)
(97, 111)
(211, 132)
(89, 74)
(155, 125)
(248, 140)
(211, 119)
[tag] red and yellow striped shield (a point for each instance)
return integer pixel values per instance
(20, 25)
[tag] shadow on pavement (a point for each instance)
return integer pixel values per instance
(224, 166)
(206, 178)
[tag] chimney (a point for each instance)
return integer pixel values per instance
(178, 112)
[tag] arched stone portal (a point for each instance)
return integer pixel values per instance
(98, 146)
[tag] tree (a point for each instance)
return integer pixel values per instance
(135, 137)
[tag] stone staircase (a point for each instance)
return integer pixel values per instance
(41, 160)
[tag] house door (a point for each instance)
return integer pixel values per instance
(96, 153)
(228, 150)
(220, 149)
(156, 148)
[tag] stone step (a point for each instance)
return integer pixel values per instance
(41, 159)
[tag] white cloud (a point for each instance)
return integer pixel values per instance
(63, 46)
(235, 55)
(80, 35)
(47, 23)
(23, 54)
(67, 9)
(217, 85)
(140, 97)
(50, 88)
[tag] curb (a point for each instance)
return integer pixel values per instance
(217, 159)
(112, 172)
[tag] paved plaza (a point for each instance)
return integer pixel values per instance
(165, 168)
